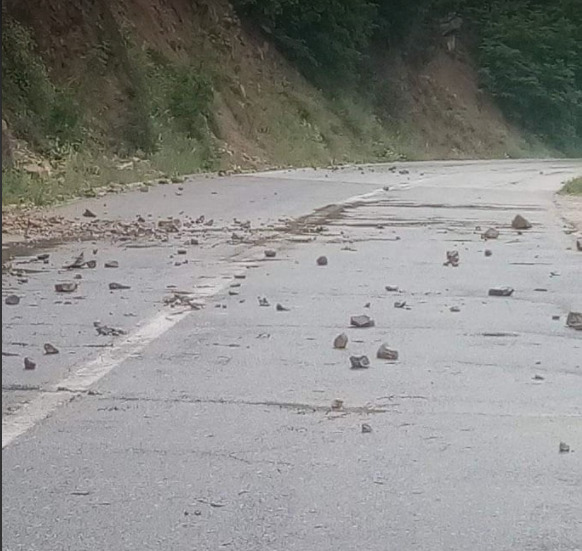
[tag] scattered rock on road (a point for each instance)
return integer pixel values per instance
(270, 253)
(341, 341)
(579, 244)
(106, 331)
(366, 428)
(501, 292)
(453, 259)
(455, 309)
(281, 308)
(92, 264)
(574, 320)
(89, 214)
(488, 252)
(263, 301)
(12, 300)
(359, 362)
(520, 223)
(170, 226)
(29, 365)
(49, 349)
(322, 261)
(113, 286)
(362, 321)
(66, 287)
(491, 233)
(112, 264)
(392, 288)
(564, 448)
(385, 353)
(400, 304)
(77, 262)
(337, 404)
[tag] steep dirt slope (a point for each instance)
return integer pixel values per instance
(113, 55)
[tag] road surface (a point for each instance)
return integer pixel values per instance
(212, 428)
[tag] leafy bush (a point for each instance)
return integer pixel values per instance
(38, 110)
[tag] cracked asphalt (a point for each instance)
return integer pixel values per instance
(213, 428)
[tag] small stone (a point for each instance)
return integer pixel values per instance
(574, 320)
(49, 349)
(392, 288)
(359, 362)
(118, 286)
(270, 253)
(77, 276)
(385, 353)
(367, 305)
(501, 292)
(12, 300)
(233, 293)
(322, 261)
(579, 244)
(488, 252)
(170, 226)
(29, 365)
(263, 301)
(366, 428)
(362, 321)
(556, 318)
(112, 264)
(452, 259)
(182, 251)
(43, 256)
(538, 378)
(337, 404)
(520, 223)
(400, 304)
(192, 241)
(341, 341)
(209, 222)
(78, 262)
(240, 276)
(91, 264)
(491, 233)
(106, 331)
(564, 448)
(281, 308)
(67, 287)
(89, 214)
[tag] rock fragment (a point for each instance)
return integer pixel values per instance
(281, 308)
(114, 286)
(77, 262)
(341, 341)
(366, 428)
(337, 404)
(362, 321)
(263, 301)
(12, 300)
(386, 353)
(520, 223)
(91, 264)
(501, 292)
(89, 214)
(322, 261)
(112, 264)
(66, 287)
(579, 244)
(453, 259)
(50, 349)
(564, 448)
(574, 320)
(400, 304)
(359, 362)
(29, 365)
(455, 309)
(106, 331)
(170, 225)
(491, 233)
(488, 252)
(270, 253)
(392, 288)
(43, 256)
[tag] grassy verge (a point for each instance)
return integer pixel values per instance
(573, 187)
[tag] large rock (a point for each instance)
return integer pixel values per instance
(520, 223)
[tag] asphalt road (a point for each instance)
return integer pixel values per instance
(212, 427)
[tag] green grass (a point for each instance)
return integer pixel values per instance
(573, 187)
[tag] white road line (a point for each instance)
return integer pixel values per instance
(81, 379)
